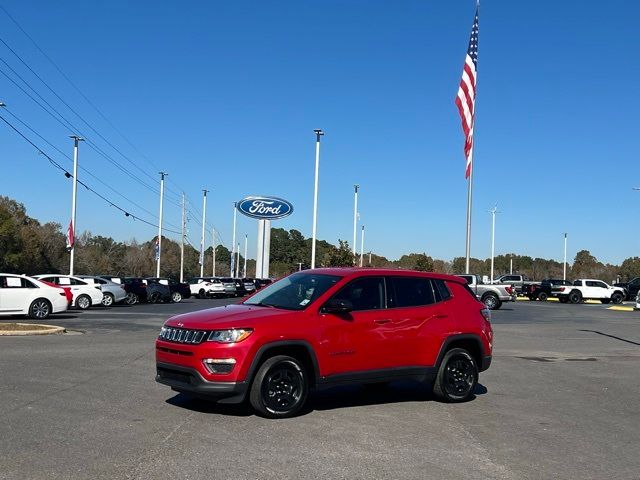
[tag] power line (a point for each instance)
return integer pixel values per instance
(84, 184)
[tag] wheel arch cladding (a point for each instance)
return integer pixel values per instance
(297, 349)
(470, 343)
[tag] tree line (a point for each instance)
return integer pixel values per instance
(30, 247)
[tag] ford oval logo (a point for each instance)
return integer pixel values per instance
(265, 208)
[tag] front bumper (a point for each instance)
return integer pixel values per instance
(189, 380)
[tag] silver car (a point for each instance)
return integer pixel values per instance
(111, 292)
(229, 287)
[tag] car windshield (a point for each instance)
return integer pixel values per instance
(295, 292)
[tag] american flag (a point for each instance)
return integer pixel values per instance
(71, 238)
(466, 99)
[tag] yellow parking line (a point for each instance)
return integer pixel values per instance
(621, 308)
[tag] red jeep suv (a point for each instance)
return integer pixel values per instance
(325, 327)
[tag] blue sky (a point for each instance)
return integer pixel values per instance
(225, 96)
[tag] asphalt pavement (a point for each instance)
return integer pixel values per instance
(560, 401)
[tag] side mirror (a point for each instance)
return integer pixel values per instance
(337, 306)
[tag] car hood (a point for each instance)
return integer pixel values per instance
(229, 316)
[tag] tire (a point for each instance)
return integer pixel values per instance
(131, 299)
(202, 293)
(491, 301)
(457, 376)
(108, 300)
(40, 309)
(83, 302)
(155, 298)
(542, 296)
(605, 301)
(279, 388)
(575, 297)
(617, 298)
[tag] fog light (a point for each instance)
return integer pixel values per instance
(219, 365)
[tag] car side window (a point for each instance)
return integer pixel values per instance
(412, 291)
(600, 284)
(365, 293)
(577, 283)
(592, 284)
(441, 290)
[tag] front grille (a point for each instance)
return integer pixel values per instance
(182, 335)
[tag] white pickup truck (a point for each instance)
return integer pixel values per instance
(591, 289)
(491, 295)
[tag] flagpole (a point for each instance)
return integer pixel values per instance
(469, 205)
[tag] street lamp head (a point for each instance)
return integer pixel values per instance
(2, 104)
(318, 132)
(77, 138)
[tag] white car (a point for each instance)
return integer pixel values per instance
(84, 294)
(22, 295)
(203, 287)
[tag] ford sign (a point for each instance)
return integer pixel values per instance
(265, 208)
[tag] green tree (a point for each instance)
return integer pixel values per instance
(341, 256)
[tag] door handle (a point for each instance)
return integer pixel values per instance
(441, 316)
(382, 321)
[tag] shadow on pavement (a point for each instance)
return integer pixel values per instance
(330, 399)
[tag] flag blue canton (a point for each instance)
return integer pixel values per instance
(473, 42)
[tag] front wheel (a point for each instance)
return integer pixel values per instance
(542, 296)
(280, 388)
(176, 297)
(40, 309)
(617, 298)
(491, 301)
(155, 298)
(83, 302)
(457, 376)
(131, 299)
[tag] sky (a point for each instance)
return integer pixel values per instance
(224, 95)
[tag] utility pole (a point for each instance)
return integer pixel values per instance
(564, 265)
(299, 266)
(369, 257)
(355, 218)
(233, 242)
(361, 245)
(213, 253)
(159, 243)
(244, 270)
(318, 133)
(72, 236)
(237, 261)
(204, 220)
(493, 237)
(184, 229)
(511, 265)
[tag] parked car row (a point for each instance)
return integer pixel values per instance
(41, 295)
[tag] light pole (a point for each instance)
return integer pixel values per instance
(244, 270)
(299, 266)
(493, 212)
(318, 133)
(204, 219)
(511, 265)
(233, 243)
(72, 230)
(362, 245)
(355, 217)
(213, 252)
(184, 227)
(564, 265)
(159, 244)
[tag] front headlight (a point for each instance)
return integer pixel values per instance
(233, 335)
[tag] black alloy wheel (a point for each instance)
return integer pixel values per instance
(202, 293)
(575, 297)
(457, 376)
(280, 387)
(40, 309)
(542, 296)
(155, 298)
(617, 298)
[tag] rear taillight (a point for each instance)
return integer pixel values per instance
(486, 313)
(562, 289)
(509, 290)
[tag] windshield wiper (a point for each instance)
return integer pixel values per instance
(260, 304)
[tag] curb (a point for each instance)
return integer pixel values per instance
(623, 308)
(47, 330)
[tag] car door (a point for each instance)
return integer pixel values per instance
(592, 289)
(14, 295)
(419, 314)
(356, 341)
(602, 290)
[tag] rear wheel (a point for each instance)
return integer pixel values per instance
(155, 297)
(83, 302)
(108, 299)
(280, 387)
(176, 297)
(491, 301)
(542, 296)
(617, 298)
(202, 293)
(131, 299)
(457, 376)
(40, 309)
(575, 297)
